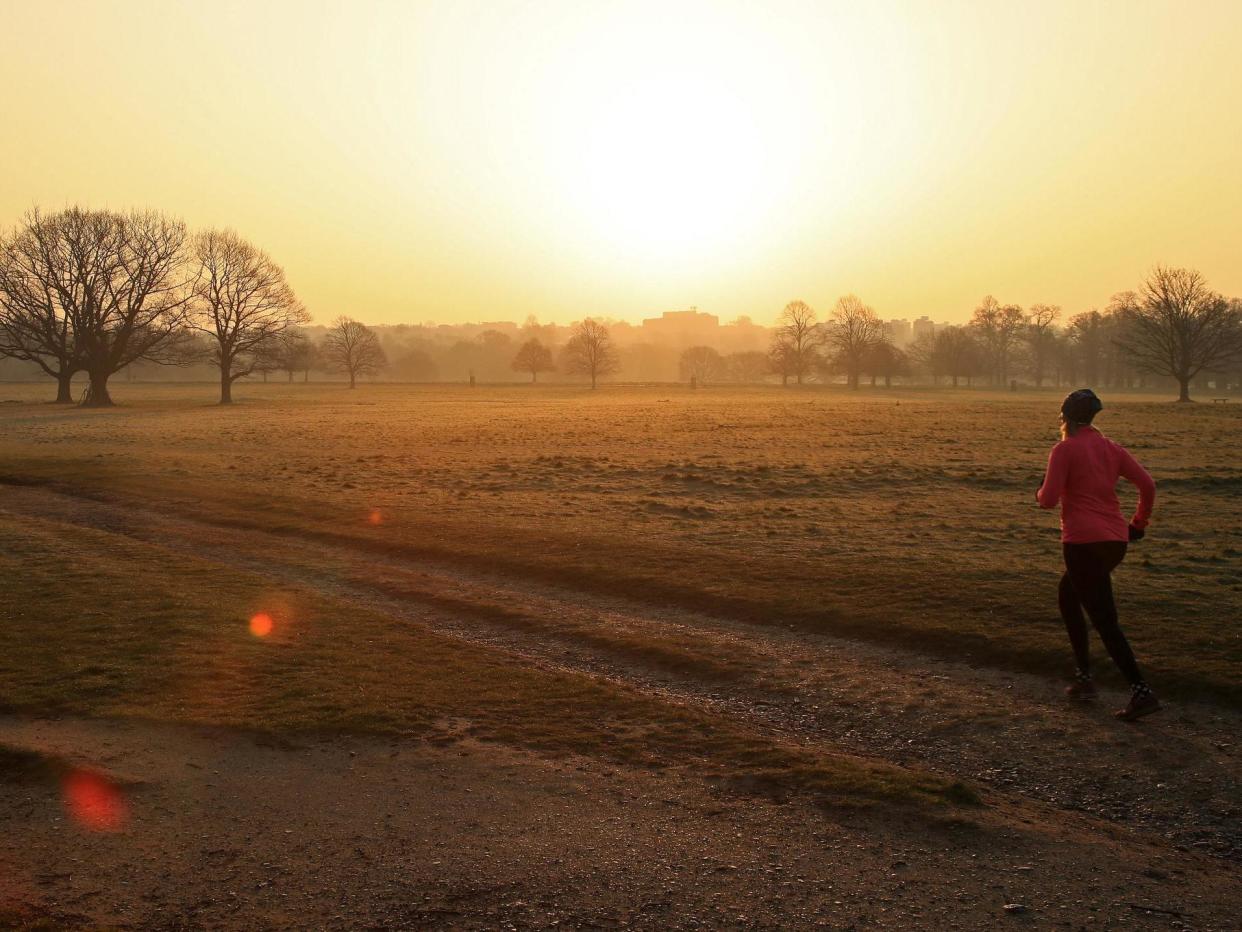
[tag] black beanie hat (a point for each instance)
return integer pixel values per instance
(1081, 406)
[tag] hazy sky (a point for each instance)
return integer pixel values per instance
(460, 161)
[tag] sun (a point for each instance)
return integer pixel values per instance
(669, 146)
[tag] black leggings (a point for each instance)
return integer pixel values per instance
(1087, 584)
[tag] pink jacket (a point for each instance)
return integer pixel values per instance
(1082, 475)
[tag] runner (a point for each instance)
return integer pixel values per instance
(1082, 477)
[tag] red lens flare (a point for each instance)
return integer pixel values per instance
(375, 518)
(95, 802)
(261, 624)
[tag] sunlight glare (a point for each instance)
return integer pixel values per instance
(261, 624)
(94, 802)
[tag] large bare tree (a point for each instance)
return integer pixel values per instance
(121, 288)
(244, 304)
(796, 342)
(1176, 326)
(590, 351)
(999, 330)
(853, 330)
(353, 348)
(39, 294)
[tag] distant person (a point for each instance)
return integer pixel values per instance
(1082, 476)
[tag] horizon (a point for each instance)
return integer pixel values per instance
(419, 164)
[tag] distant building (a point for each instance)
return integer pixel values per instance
(683, 328)
(898, 331)
(922, 326)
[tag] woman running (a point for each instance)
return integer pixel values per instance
(1082, 476)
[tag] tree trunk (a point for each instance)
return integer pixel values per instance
(97, 392)
(64, 388)
(305, 375)
(534, 376)
(291, 376)
(873, 380)
(955, 381)
(226, 387)
(352, 381)
(592, 380)
(1185, 389)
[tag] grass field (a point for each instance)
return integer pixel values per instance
(895, 517)
(724, 616)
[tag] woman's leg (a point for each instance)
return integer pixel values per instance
(1075, 625)
(1089, 567)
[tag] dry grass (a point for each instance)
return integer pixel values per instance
(82, 635)
(898, 517)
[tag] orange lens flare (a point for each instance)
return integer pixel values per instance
(261, 625)
(94, 802)
(376, 517)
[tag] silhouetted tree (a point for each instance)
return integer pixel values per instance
(353, 348)
(998, 329)
(39, 293)
(853, 330)
(590, 351)
(121, 289)
(244, 304)
(1176, 326)
(533, 357)
(798, 337)
(701, 364)
(1041, 338)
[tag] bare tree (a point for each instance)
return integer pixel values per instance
(353, 348)
(590, 351)
(1176, 326)
(796, 342)
(244, 304)
(853, 330)
(39, 294)
(998, 329)
(1041, 338)
(700, 364)
(533, 357)
(137, 290)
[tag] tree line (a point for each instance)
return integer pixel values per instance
(95, 291)
(1174, 326)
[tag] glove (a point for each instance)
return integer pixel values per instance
(1136, 533)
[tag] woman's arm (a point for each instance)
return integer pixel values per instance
(1130, 469)
(1054, 479)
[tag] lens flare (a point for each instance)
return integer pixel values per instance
(376, 517)
(94, 802)
(261, 624)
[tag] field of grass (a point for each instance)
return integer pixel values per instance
(896, 517)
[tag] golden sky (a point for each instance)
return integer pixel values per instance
(464, 161)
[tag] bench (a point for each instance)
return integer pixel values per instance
(1219, 401)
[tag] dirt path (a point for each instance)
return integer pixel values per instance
(229, 832)
(1178, 774)
(1174, 779)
